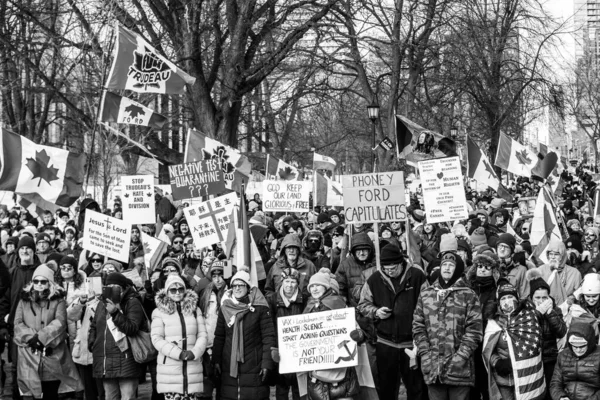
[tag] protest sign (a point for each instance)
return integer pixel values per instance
(321, 340)
(443, 190)
(137, 193)
(107, 236)
(196, 179)
(209, 220)
(94, 284)
(377, 197)
(286, 196)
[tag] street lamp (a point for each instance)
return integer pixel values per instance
(373, 112)
(453, 132)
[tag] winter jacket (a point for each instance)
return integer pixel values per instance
(82, 315)
(259, 337)
(578, 378)
(109, 361)
(282, 307)
(304, 266)
(447, 328)
(553, 328)
(561, 291)
(515, 273)
(46, 318)
(379, 291)
(177, 327)
(20, 276)
(349, 272)
(318, 258)
(209, 302)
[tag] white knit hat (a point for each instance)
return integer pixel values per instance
(172, 279)
(591, 284)
(243, 274)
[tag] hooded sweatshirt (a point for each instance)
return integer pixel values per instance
(349, 272)
(304, 266)
(564, 280)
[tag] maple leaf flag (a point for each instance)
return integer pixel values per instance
(35, 171)
(480, 169)
(115, 108)
(323, 162)
(544, 226)
(277, 169)
(514, 157)
(154, 249)
(327, 192)
(137, 66)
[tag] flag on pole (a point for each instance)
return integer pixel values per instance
(119, 109)
(327, 192)
(480, 169)
(385, 144)
(54, 174)
(596, 206)
(323, 162)
(154, 249)
(137, 66)
(415, 143)
(544, 225)
(236, 167)
(36, 205)
(514, 157)
(277, 169)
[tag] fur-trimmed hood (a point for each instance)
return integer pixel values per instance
(55, 292)
(189, 303)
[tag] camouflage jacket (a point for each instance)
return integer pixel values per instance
(447, 328)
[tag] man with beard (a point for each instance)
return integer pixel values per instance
(515, 273)
(313, 249)
(290, 257)
(562, 279)
(576, 257)
(136, 248)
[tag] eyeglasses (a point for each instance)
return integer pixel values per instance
(238, 286)
(40, 282)
(503, 246)
(66, 267)
(590, 235)
(169, 270)
(314, 241)
(483, 266)
(178, 242)
(177, 290)
(336, 235)
(96, 260)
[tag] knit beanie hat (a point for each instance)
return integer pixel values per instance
(591, 284)
(216, 266)
(478, 237)
(171, 261)
(536, 281)
(290, 273)
(12, 240)
(243, 274)
(320, 278)
(172, 279)
(68, 260)
(496, 203)
(323, 217)
(117, 265)
(117, 278)
(506, 288)
(573, 242)
(42, 236)
(57, 257)
(391, 254)
(507, 239)
(448, 243)
(488, 259)
(44, 271)
(26, 241)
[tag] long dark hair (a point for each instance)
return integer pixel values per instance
(77, 278)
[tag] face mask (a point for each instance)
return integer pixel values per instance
(508, 305)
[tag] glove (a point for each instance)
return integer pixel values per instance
(275, 354)
(383, 313)
(264, 375)
(35, 343)
(503, 366)
(186, 355)
(358, 336)
(217, 370)
(4, 334)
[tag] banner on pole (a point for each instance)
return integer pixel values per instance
(107, 236)
(443, 190)
(196, 179)
(377, 197)
(286, 196)
(321, 339)
(209, 221)
(138, 199)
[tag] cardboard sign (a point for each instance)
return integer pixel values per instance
(317, 341)
(209, 220)
(443, 190)
(107, 236)
(286, 196)
(196, 179)
(377, 197)
(138, 199)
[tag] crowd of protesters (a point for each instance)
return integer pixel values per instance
(424, 303)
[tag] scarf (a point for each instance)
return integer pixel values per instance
(233, 313)
(285, 300)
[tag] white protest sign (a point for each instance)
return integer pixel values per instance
(286, 196)
(321, 340)
(209, 220)
(106, 235)
(138, 199)
(377, 197)
(443, 190)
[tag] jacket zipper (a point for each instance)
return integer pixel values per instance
(104, 349)
(184, 340)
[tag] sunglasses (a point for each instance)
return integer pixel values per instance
(314, 241)
(482, 266)
(177, 290)
(40, 282)
(177, 242)
(96, 260)
(239, 286)
(336, 235)
(66, 267)
(169, 270)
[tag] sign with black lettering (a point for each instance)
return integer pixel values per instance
(443, 190)
(285, 196)
(108, 236)
(377, 197)
(138, 199)
(317, 341)
(209, 221)
(196, 179)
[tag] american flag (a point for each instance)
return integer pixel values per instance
(524, 339)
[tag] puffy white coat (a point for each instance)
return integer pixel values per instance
(170, 322)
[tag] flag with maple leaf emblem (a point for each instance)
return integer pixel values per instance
(137, 66)
(327, 192)
(524, 338)
(514, 157)
(277, 169)
(544, 225)
(323, 162)
(154, 249)
(119, 109)
(236, 167)
(480, 169)
(50, 173)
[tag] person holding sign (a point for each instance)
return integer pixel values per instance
(243, 341)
